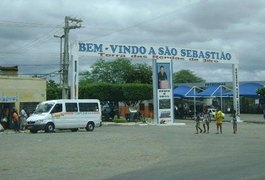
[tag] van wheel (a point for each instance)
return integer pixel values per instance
(90, 126)
(49, 128)
(33, 131)
(74, 130)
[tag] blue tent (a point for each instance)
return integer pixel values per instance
(248, 89)
(181, 91)
(185, 91)
(214, 90)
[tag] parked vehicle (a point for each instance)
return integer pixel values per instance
(65, 114)
(108, 113)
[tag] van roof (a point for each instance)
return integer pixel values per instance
(72, 100)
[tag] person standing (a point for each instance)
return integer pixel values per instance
(197, 126)
(264, 113)
(234, 121)
(23, 117)
(206, 121)
(15, 118)
(219, 120)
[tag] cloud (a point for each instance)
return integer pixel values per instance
(237, 26)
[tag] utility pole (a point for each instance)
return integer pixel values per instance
(70, 23)
(61, 58)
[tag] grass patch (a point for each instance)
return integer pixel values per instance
(120, 120)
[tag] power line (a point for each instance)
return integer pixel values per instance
(44, 37)
(146, 21)
(27, 65)
(5, 23)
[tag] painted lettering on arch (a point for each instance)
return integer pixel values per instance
(155, 52)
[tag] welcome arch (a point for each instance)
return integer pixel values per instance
(162, 58)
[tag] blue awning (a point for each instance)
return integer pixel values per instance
(248, 89)
(181, 91)
(214, 90)
(185, 91)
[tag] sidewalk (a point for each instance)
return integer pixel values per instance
(247, 118)
(252, 118)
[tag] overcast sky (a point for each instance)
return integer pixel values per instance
(27, 29)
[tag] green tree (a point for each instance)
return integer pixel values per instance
(102, 91)
(53, 90)
(186, 76)
(119, 71)
(135, 93)
(140, 73)
(261, 91)
(129, 93)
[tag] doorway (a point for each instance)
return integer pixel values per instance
(6, 115)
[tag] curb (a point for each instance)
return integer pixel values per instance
(141, 124)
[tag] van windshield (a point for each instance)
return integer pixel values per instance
(43, 108)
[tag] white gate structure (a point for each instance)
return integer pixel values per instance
(162, 58)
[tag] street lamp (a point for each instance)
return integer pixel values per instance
(61, 56)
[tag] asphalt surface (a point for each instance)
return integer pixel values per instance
(136, 151)
(251, 118)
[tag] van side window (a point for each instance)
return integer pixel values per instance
(57, 108)
(71, 107)
(88, 107)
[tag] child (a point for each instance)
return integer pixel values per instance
(234, 121)
(219, 120)
(197, 126)
(206, 121)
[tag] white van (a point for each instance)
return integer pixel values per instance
(65, 114)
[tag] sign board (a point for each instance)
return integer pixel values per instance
(154, 52)
(7, 99)
(163, 56)
(164, 89)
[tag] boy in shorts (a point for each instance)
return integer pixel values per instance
(197, 126)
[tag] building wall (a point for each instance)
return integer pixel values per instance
(17, 93)
(18, 89)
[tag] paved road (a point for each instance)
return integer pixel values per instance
(255, 118)
(135, 152)
(249, 118)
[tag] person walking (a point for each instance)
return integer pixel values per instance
(15, 118)
(23, 118)
(206, 121)
(197, 126)
(219, 120)
(234, 121)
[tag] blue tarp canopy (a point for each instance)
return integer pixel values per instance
(181, 91)
(248, 89)
(185, 91)
(214, 90)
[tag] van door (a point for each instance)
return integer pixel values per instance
(57, 115)
(90, 112)
(71, 115)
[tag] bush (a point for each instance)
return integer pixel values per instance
(119, 120)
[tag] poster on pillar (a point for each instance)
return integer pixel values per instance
(164, 92)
